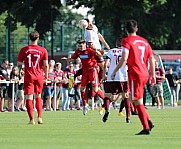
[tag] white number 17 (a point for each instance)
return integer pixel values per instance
(37, 56)
(142, 48)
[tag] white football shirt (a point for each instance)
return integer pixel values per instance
(91, 35)
(115, 55)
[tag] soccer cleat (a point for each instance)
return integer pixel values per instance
(120, 114)
(105, 117)
(101, 110)
(32, 122)
(40, 121)
(151, 125)
(128, 120)
(144, 132)
(84, 110)
(134, 113)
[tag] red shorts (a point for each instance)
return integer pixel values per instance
(115, 87)
(33, 87)
(91, 76)
(136, 88)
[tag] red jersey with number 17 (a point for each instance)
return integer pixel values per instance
(33, 56)
(139, 52)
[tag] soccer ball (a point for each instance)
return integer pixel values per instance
(83, 24)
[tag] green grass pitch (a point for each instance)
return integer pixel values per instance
(72, 130)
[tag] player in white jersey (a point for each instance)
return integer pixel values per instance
(93, 38)
(92, 35)
(119, 85)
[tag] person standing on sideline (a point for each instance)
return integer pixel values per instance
(3, 88)
(35, 59)
(119, 84)
(90, 74)
(137, 52)
(173, 81)
(158, 87)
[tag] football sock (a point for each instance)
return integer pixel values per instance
(100, 94)
(39, 105)
(121, 106)
(106, 103)
(84, 100)
(143, 116)
(29, 106)
(127, 107)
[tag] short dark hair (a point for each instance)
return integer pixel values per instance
(34, 35)
(5, 60)
(131, 26)
(88, 21)
(80, 41)
(119, 42)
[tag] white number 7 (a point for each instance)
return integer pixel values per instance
(142, 48)
(29, 59)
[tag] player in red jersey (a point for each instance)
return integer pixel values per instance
(138, 52)
(35, 59)
(90, 74)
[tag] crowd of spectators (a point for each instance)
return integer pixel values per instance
(61, 87)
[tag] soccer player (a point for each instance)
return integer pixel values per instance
(92, 34)
(93, 37)
(137, 52)
(119, 84)
(89, 74)
(35, 59)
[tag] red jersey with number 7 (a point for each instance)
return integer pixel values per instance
(33, 56)
(139, 52)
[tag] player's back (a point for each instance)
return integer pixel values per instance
(33, 56)
(139, 52)
(115, 55)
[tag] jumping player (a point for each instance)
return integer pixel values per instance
(89, 74)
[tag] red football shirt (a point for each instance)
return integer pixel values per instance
(139, 52)
(33, 56)
(87, 58)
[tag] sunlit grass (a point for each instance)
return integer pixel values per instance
(70, 129)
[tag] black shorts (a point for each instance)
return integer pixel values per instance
(115, 87)
(3, 92)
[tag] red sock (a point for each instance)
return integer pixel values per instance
(29, 106)
(39, 105)
(100, 94)
(143, 116)
(127, 107)
(106, 103)
(84, 100)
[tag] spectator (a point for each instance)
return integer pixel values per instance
(49, 86)
(59, 80)
(158, 87)
(173, 81)
(20, 98)
(68, 87)
(3, 88)
(13, 77)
